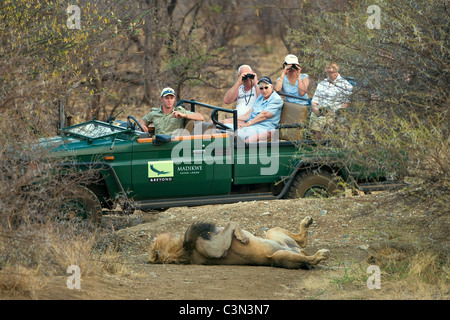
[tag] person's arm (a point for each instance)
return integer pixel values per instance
(348, 89)
(315, 108)
(144, 124)
(232, 94)
(274, 106)
(303, 85)
(262, 116)
(195, 116)
(188, 115)
(255, 84)
(279, 83)
(245, 116)
(315, 100)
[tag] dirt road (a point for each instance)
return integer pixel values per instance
(353, 229)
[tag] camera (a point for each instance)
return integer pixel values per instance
(248, 76)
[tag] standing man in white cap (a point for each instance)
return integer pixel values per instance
(292, 81)
(167, 119)
(245, 91)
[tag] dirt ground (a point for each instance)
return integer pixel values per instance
(352, 228)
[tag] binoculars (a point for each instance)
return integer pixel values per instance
(293, 67)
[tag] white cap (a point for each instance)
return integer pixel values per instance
(291, 59)
(167, 91)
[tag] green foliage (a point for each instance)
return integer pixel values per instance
(191, 65)
(404, 63)
(41, 58)
(400, 106)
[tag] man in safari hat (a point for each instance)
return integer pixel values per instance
(168, 118)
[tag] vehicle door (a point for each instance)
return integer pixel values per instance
(185, 166)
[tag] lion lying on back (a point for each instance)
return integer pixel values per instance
(204, 243)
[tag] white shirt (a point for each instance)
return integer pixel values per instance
(333, 95)
(245, 100)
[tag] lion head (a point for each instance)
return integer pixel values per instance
(168, 248)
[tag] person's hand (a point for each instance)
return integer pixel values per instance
(255, 80)
(240, 80)
(286, 69)
(315, 110)
(245, 124)
(179, 115)
(242, 76)
(144, 126)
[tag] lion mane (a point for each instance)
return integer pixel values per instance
(172, 248)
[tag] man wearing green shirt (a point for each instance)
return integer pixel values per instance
(168, 118)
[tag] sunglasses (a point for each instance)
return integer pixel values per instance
(262, 88)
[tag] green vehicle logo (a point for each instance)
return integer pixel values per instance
(160, 171)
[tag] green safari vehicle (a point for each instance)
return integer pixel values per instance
(205, 164)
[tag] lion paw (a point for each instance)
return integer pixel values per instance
(307, 221)
(241, 236)
(323, 254)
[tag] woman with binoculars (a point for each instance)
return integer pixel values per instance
(292, 82)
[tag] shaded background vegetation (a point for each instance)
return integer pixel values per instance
(126, 51)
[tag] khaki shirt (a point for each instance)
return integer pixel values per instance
(165, 123)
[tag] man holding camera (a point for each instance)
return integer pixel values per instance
(293, 82)
(244, 91)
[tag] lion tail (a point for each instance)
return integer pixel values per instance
(196, 230)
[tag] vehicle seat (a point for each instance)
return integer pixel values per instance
(198, 127)
(293, 120)
(189, 126)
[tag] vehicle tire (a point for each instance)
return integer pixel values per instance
(81, 204)
(313, 184)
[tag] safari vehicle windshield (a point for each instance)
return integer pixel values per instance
(94, 129)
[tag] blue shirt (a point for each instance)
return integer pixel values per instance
(292, 90)
(273, 104)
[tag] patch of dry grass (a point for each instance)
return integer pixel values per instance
(26, 265)
(19, 281)
(420, 274)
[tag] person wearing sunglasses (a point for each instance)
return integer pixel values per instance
(245, 91)
(168, 119)
(259, 123)
(293, 82)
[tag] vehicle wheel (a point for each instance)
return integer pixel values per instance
(81, 204)
(313, 184)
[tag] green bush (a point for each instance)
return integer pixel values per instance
(399, 117)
